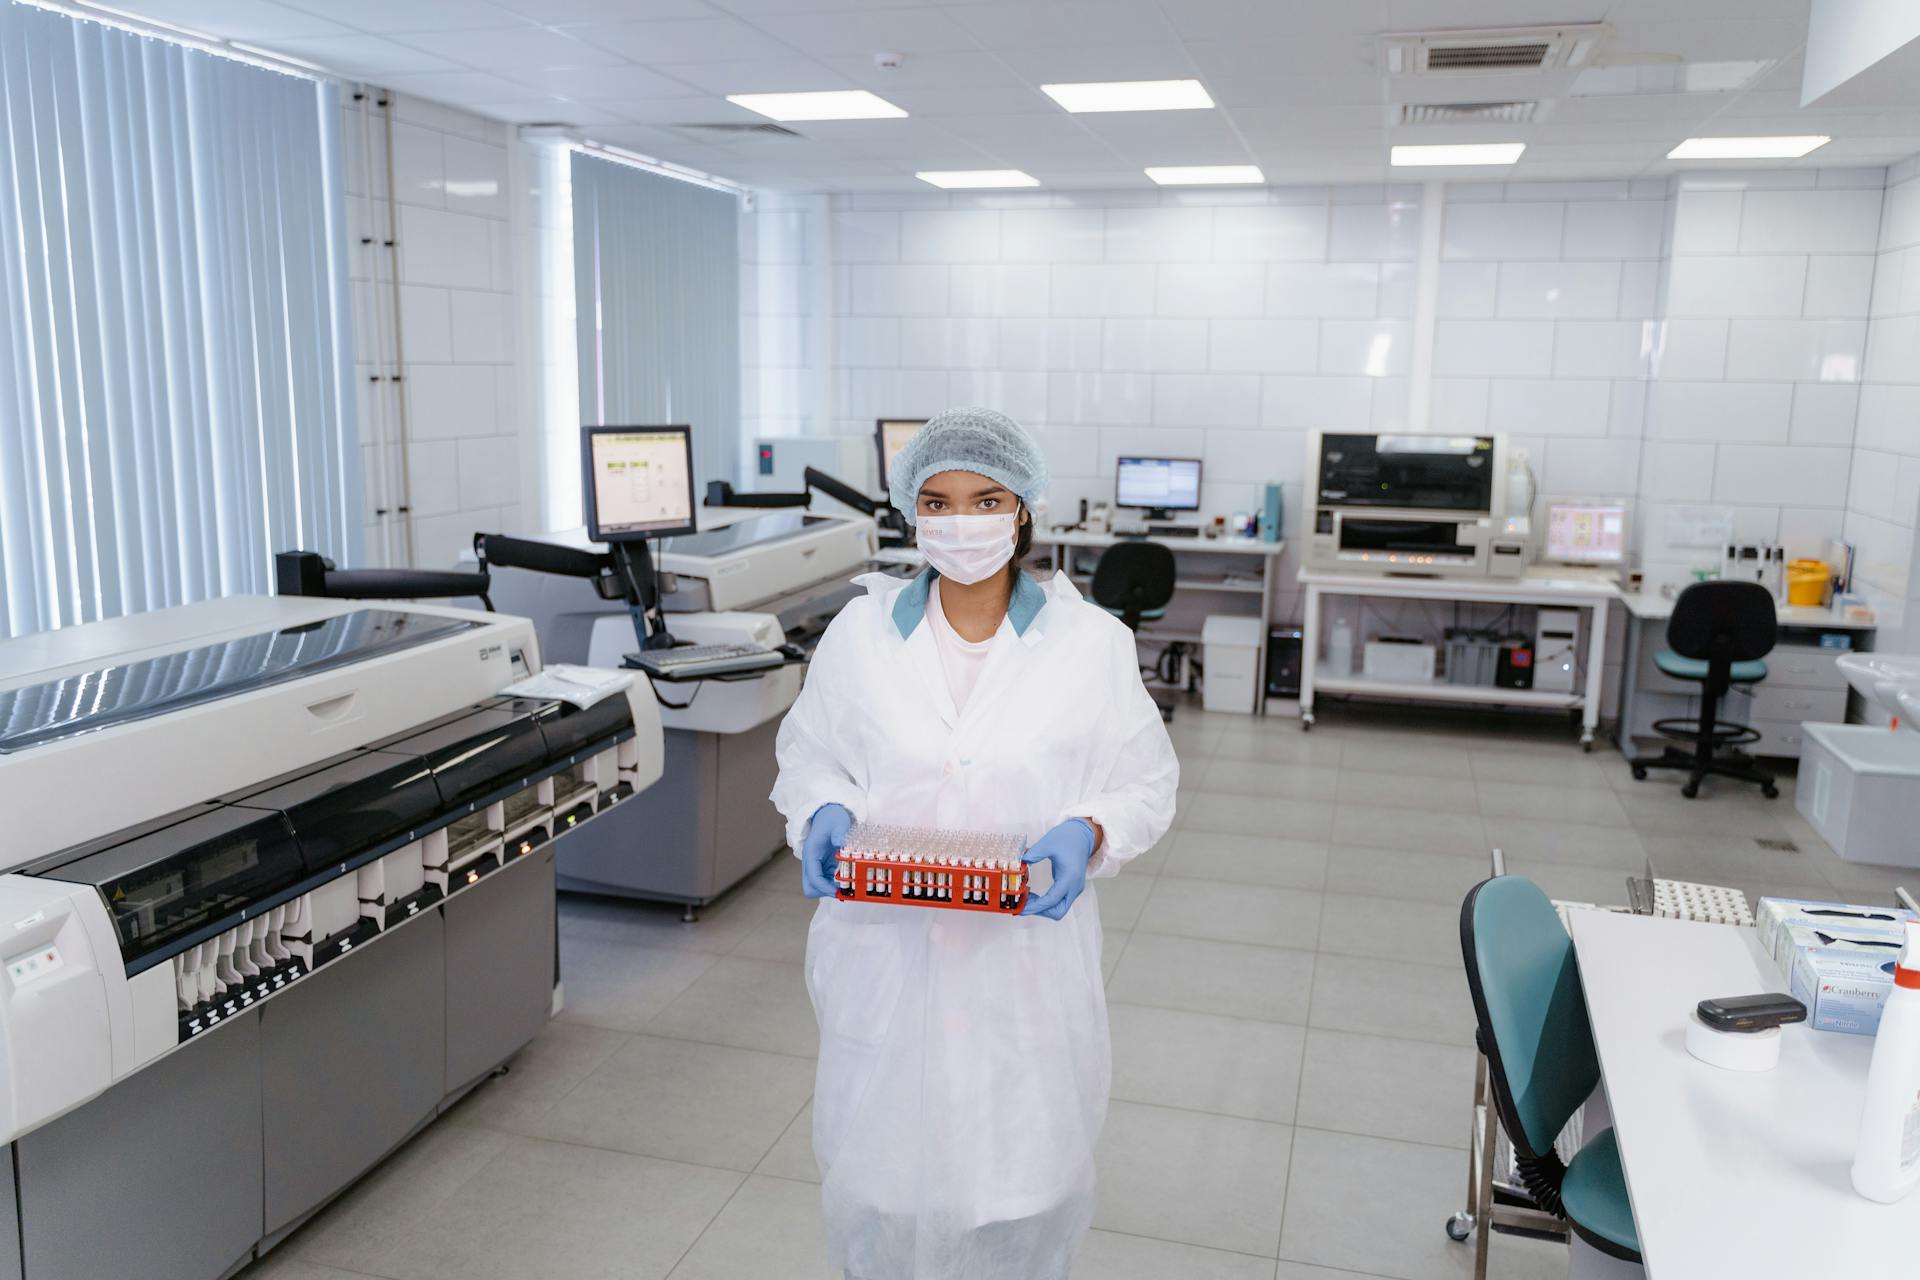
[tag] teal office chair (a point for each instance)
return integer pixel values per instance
(1534, 1033)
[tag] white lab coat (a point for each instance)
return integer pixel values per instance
(964, 1057)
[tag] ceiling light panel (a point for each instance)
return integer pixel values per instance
(1774, 148)
(969, 179)
(1206, 175)
(833, 104)
(1131, 95)
(1458, 153)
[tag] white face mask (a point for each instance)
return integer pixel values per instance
(966, 549)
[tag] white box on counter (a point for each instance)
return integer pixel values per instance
(1772, 916)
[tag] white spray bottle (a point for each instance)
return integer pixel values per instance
(1886, 1165)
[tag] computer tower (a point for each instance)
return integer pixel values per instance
(1556, 649)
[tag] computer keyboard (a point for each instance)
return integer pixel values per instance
(704, 659)
(1174, 530)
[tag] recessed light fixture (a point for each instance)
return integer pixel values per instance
(833, 104)
(955, 179)
(1206, 175)
(1747, 148)
(1459, 153)
(1131, 95)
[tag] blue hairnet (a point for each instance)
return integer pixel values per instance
(984, 441)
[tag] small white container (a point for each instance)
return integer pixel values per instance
(1340, 649)
(1231, 651)
(1860, 789)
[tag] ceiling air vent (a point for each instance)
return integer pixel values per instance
(735, 130)
(1468, 112)
(1480, 52)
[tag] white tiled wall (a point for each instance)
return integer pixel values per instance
(1883, 497)
(459, 319)
(1757, 363)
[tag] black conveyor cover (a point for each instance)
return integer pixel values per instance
(477, 753)
(350, 805)
(162, 886)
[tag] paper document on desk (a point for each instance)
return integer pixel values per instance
(576, 686)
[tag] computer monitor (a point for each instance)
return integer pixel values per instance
(1162, 485)
(890, 436)
(1586, 532)
(639, 482)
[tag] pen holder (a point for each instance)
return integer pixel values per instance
(1733, 1050)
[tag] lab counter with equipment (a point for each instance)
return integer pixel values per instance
(279, 888)
(746, 583)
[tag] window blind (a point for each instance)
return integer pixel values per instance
(657, 293)
(174, 349)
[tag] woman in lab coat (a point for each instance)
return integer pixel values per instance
(964, 1057)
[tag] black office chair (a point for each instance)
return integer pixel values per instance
(1134, 581)
(1718, 634)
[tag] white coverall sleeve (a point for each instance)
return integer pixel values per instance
(812, 751)
(1134, 805)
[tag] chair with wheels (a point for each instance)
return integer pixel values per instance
(1541, 1065)
(1134, 582)
(1717, 636)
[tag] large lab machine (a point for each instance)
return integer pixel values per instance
(277, 889)
(1429, 505)
(758, 583)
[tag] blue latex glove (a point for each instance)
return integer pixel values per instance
(826, 832)
(1067, 848)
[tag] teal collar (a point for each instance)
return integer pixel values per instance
(910, 606)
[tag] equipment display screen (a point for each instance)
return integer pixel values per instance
(1416, 472)
(890, 437)
(1165, 484)
(1586, 532)
(639, 482)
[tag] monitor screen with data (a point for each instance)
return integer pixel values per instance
(890, 436)
(639, 482)
(1158, 484)
(1586, 532)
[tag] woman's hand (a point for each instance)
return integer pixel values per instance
(826, 832)
(1067, 848)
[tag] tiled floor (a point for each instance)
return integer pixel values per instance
(1291, 1031)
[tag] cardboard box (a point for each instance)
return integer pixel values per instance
(1773, 916)
(1844, 990)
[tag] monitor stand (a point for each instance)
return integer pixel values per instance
(633, 561)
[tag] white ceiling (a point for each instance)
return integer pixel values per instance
(1298, 84)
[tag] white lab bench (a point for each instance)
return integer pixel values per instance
(1802, 681)
(1730, 1173)
(1188, 578)
(1553, 587)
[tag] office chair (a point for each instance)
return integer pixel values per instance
(1717, 635)
(1134, 581)
(1532, 1028)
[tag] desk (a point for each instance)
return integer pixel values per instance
(1802, 683)
(1730, 1174)
(1563, 588)
(1265, 554)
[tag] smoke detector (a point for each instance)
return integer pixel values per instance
(1491, 50)
(888, 60)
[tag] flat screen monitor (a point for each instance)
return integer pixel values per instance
(1158, 484)
(890, 436)
(1587, 532)
(639, 482)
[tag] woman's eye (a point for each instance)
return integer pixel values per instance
(932, 504)
(988, 504)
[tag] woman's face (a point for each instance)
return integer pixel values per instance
(964, 493)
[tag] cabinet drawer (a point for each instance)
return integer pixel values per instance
(1778, 738)
(1784, 702)
(1805, 667)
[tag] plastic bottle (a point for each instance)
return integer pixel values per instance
(1340, 649)
(1886, 1165)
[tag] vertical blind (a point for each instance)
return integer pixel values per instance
(656, 264)
(174, 351)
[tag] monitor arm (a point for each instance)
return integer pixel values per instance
(625, 572)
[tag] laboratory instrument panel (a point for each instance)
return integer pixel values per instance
(927, 867)
(123, 946)
(1430, 505)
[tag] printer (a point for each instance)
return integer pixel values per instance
(278, 887)
(758, 579)
(1427, 505)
